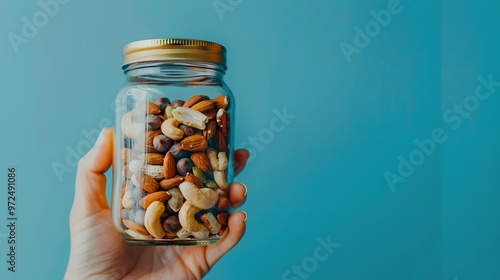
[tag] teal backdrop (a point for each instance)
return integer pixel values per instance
(373, 127)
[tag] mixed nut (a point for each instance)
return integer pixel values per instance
(174, 178)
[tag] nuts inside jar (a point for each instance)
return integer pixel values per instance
(175, 169)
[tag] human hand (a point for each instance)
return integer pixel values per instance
(98, 250)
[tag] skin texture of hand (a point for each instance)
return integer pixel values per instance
(99, 252)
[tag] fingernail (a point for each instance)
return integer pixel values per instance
(245, 194)
(246, 216)
(100, 138)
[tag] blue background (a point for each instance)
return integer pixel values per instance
(323, 175)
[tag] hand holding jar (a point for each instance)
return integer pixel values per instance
(98, 250)
(172, 179)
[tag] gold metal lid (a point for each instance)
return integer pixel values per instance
(173, 49)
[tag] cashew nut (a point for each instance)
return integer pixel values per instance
(168, 111)
(218, 161)
(219, 165)
(187, 219)
(212, 156)
(220, 179)
(132, 128)
(222, 161)
(127, 124)
(127, 200)
(202, 198)
(176, 201)
(152, 219)
(190, 117)
(169, 128)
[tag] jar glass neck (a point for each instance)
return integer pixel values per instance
(175, 72)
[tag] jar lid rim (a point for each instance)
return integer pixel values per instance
(173, 49)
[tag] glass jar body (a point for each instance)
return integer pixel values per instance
(173, 154)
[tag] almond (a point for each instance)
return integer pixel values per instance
(222, 121)
(169, 168)
(193, 179)
(203, 106)
(221, 142)
(150, 149)
(194, 99)
(152, 109)
(211, 129)
(211, 222)
(194, 143)
(211, 114)
(221, 102)
(152, 197)
(222, 218)
(150, 135)
(145, 182)
(166, 184)
(201, 161)
(149, 108)
(223, 205)
(152, 158)
(135, 227)
(222, 229)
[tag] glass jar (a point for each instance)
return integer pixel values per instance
(173, 154)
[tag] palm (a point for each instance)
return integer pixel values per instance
(170, 263)
(108, 255)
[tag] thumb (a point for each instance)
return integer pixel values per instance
(90, 185)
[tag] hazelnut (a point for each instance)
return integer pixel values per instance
(162, 143)
(162, 103)
(177, 103)
(178, 152)
(188, 131)
(153, 122)
(184, 165)
(171, 224)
